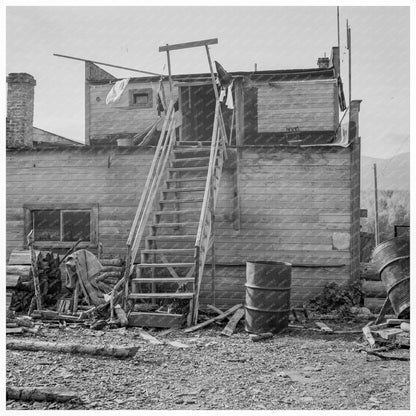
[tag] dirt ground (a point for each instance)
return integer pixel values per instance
(298, 369)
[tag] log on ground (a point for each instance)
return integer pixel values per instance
(113, 351)
(39, 394)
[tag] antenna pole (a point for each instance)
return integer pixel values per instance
(376, 230)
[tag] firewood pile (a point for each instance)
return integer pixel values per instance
(76, 287)
(19, 279)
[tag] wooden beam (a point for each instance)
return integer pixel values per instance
(102, 63)
(188, 45)
(232, 323)
(217, 318)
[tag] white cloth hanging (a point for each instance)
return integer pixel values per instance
(117, 91)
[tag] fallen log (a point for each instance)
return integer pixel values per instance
(39, 394)
(12, 280)
(216, 318)
(110, 350)
(18, 330)
(23, 271)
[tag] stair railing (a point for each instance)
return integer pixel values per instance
(204, 238)
(157, 171)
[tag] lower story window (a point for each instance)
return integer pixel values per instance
(62, 225)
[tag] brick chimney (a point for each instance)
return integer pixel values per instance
(323, 62)
(20, 105)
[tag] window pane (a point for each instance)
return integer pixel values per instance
(140, 98)
(46, 225)
(76, 225)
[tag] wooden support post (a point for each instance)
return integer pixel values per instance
(35, 273)
(213, 242)
(212, 73)
(170, 74)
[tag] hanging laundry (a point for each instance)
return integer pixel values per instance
(117, 91)
(229, 101)
(224, 77)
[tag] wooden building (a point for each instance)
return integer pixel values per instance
(288, 190)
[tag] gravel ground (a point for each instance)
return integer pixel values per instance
(299, 369)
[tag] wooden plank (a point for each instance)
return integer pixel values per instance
(19, 257)
(40, 394)
(232, 323)
(210, 321)
(149, 338)
(10, 331)
(156, 320)
(369, 337)
(188, 45)
(324, 327)
(12, 280)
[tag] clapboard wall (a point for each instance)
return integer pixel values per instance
(295, 206)
(113, 178)
(292, 204)
(107, 122)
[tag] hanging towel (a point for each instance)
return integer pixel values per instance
(229, 102)
(117, 91)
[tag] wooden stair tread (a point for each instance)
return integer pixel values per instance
(194, 179)
(168, 250)
(190, 169)
(175, 224)
(144, 265)
(163, 280)
(194, 143)
(191, 159)
(168, 295)
(180, 201)
(189, 237)
(177, 190)
(183, 211)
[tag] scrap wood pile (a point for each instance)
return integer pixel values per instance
(387, 336)
(74, 288)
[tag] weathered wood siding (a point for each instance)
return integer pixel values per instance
(295, 206)
(120, 118)
(113, 178)
(302, 105)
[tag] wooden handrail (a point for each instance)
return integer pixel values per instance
(205, 226)
(157, 170)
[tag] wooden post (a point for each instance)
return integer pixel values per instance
(212, 73)
(34, 270)
(349, 62)
(376, 230)
(213, 243)
(170, 74)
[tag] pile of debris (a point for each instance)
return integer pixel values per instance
(387, 336)
(76, 287)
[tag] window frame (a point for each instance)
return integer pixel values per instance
(142, 91)
(92, 208)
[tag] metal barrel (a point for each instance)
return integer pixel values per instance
(392, 259)
(267, 303)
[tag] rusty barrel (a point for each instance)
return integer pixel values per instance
(392, 259)
(267, 296)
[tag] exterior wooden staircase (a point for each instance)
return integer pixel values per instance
(179, 222)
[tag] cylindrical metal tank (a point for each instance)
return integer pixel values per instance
(267, 296)
(392, 259)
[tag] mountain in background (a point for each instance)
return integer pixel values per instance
(392, 174)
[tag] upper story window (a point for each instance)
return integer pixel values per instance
(141, 98)
(61, 225)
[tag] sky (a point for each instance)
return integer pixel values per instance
(272, 37)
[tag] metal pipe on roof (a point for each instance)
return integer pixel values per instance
(102, 63)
